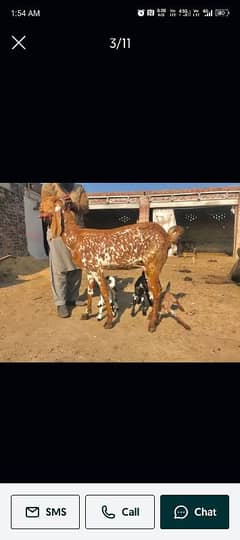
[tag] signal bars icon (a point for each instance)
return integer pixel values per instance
(207, 12)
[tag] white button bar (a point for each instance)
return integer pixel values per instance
(120, 512)
(45, 512)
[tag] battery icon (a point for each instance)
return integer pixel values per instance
(222, 12)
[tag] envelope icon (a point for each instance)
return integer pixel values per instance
(32, 511)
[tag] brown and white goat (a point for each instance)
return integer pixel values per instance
(96, 250)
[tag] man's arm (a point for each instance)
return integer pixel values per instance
(47, 191)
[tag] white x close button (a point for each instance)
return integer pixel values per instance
(18, 42)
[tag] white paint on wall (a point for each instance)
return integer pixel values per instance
(33, 227)
(166, 218)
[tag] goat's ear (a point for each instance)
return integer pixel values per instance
(56, 226)
(175, 233)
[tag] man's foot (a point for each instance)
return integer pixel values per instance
(63, 312)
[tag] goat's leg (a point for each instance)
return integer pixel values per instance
(180, 307)
(104, 293)
(114, 302)
(88, 313)
(133, 312)
(115, 308)
(100, 309)
(156, 289)
(144, 304)
(180, 321)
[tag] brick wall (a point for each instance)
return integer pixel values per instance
(12, 221)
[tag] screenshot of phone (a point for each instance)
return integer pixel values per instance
(119, 270)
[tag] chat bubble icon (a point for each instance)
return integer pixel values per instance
(181, 512)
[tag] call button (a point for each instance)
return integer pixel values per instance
(194, 512)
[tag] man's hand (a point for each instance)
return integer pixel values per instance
(67, 198)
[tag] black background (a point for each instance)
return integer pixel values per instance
(164, 111)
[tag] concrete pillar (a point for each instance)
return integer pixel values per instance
(144, 209)
(166, 218)
(237, 229)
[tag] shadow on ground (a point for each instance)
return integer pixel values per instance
(13, 271)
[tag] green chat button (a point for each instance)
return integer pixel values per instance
(194, 512)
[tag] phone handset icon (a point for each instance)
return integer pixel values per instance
(106, 513)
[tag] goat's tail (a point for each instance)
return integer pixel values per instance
(174, 234)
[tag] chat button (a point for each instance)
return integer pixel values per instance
(194, 512)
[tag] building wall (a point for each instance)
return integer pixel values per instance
(237, 228)
(211, 229)
(109, 219)
(12, 220)
(34, 232)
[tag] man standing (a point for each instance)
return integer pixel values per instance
(65, 276)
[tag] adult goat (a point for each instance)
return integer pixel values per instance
(96, 250)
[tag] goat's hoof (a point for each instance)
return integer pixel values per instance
(152, 328)
(85, 317)
(108, 325)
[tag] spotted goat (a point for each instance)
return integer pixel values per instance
(96, 250)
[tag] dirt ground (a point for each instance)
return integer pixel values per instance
(30, 331)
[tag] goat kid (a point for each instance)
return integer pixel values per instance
(168, 301)
(111, 281)
(112, 296)
(141, 296)
(95, 250)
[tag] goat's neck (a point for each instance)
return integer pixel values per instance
(69, 222)
(70, 228)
